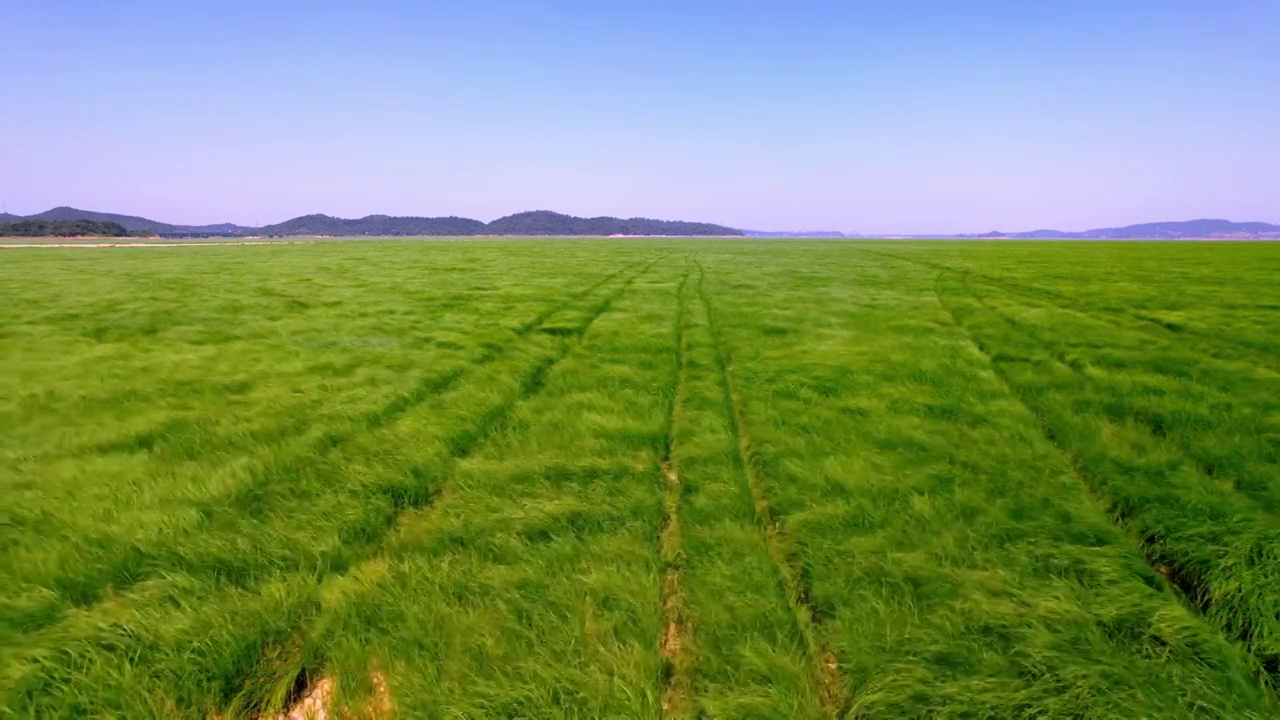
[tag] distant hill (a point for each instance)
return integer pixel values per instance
(62, 228)
(128, 222)
(1189, 229)
(132, 222)
(541, 222)
(374, 225)
(545, 222)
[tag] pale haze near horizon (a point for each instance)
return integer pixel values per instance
(923, 117)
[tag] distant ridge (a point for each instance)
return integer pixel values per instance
(129, 222)
(373, 225)
(540, 222)
(547, 223)
(1189, 229)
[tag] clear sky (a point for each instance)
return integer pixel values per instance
(875, 117)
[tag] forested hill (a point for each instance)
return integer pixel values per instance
(62, 228)
(547, 223)
(132, 222)
(540, 222)
(544, 222)
(375, 225)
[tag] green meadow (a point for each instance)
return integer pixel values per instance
(641, 479)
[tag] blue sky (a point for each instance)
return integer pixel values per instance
(874, 117)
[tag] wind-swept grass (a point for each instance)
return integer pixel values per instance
(954, 561)
(640, 479)
(531, 587)
(744, 648)
(1188, 467)
(297, 513)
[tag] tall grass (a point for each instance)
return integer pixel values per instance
(640, 479)
(1172, 443)
(745, 647)
(955, 562)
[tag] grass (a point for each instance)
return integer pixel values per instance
(641, 479)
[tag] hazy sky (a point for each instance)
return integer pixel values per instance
(924, 116)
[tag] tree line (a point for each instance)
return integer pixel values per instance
(65, 228)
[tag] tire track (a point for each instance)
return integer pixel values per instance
(677, 678)
(1151, 326)
(1155, 326)
(436, 384)
(1154, 428)
(824, 666)
(1258, 498)
(424, 484)
(1190, 589)
(538, 320)
(136, 564)
(460, 445)
(430, 388)
(391, 411)
(464, 442)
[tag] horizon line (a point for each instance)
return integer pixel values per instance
(642, 217)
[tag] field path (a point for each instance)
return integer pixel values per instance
(832, 688)
(730, 642)
(676, 633)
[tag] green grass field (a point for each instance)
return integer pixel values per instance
(641, 479)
